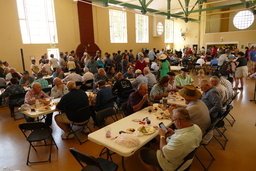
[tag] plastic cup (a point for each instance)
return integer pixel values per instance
(108, 132)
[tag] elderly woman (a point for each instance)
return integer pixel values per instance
(140, 63)
(159, 90)
(241, 70)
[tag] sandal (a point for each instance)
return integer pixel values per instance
(240, 87)
(235, 88)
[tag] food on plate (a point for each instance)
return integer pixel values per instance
(155, 126)
(182, 99)
(55, 103)
(176, 94)
(160, 105)
(47, 107)
(146, 129)
(155, 108)
(159, 117)
(130, 130)
(120, 132)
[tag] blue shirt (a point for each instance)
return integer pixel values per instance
(140, 79)
(252, 55)
(214, 61)
(103, 94)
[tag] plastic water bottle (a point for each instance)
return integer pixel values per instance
(6, 169)
(37, 104)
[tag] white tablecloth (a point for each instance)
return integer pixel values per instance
(175, 68)
(123, 124)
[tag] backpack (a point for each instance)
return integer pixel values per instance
(225, 68)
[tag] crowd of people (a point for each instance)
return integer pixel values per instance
(148, 78)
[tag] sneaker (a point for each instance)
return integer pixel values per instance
(65, 136)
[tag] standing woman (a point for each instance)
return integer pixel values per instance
(140, 63)
(164, 66)
(241, 70)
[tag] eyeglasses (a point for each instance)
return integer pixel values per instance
(175, 119)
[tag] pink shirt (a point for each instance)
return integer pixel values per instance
(31, 96)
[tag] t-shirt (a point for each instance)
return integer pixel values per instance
(54, 62)
(71, 102)
(93, 67)
(103, 94)
(242, 62)
(121, 86)
(181, 81)
(252, 55)
(133, 100)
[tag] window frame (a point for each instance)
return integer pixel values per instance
(143, 27)
(169, 31)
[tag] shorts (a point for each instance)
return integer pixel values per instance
(62, 118)
(149, 157)
(241, 71)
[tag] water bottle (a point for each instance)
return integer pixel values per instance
(6, 169)
(37, 104)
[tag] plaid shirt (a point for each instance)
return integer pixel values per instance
(31, 96)
(42, 81)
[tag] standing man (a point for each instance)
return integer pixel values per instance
(174, 145)
(138, 99)
(53, 62)
(252, 58)
(62, 63)
(93, 65)
(71, 102)
(34, 67)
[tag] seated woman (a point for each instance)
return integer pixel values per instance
(111, 74)
(159, 90)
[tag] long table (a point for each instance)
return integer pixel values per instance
(121, 125)
(41, 112)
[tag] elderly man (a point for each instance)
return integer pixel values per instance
(139, 79)
(223, 57)
(212, 99)
(174, 145)
(121, 86)
(26, 79)
(198, 111)
(183, 78)
(151, 77)
(12, 73)
(93, 65)
(73, 76)
(215, 81)
(70, 103)
(129, 74)
(39, 79)
(34, 94)
(138, 99)
(59, 89)
(87, 75)
(171, 83)
(58, 73)
(100, 76)
(159, 90)
(103, 94)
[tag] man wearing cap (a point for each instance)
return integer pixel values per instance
(139, 79)
(93, 65)
(73, 76)
(138, 99)
(212, 99)
(151, 77)
(103, 94)
(171, 83)
(159, 90)
(183, 78)
(26, 79)
(39, 79)
(198, 111)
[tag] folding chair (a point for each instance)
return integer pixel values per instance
(126, 94)
(88, 84)
(93, 164)
(124, 109)
(211, 128)
(19, 96)
(80, 113)
(102, 115)
(188, 157)
(112, 100)
(221, 124)
(47, 90)
(39, 132)
(233, 119)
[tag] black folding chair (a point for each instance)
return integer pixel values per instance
(210, 129)
(112, 100)
(85, 111)
(20, 97)
(124, 109)
(92, 163)
(39, 131)
(88, 84)
(102, 115)
(233, 118)
(126, 94)
(188, 157)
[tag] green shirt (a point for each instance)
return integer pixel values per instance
(43, 82)
(157, 89)
(181, 81)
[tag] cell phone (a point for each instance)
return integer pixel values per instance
(162, 126)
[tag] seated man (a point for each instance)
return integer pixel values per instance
(212, 99)
(26, 80)
(121, 86)
(183, 78)
(129, 74)
(151, 77)
(174, 145)
(39, 79)
(171, 83)
(73, 76)
(58, 73)
(100, 76)
(59, 89)
(34, 94)
(139, 79)
(159, 90)
(70, 103)
(12, 73)
(12, 89)
(87, 75)
(215, 81)
(138, 99)
(103, 94)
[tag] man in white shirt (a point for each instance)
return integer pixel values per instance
(215, 81)
(53, 62)
(174, 145)
(59, 89)
(155, 66)
(151, 77)
(151, 55)
(73, 76)
(139, 79)
(223, 57)
(200, 61)
(87, 75)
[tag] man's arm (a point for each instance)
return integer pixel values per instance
(216, 100)
(141, 103)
